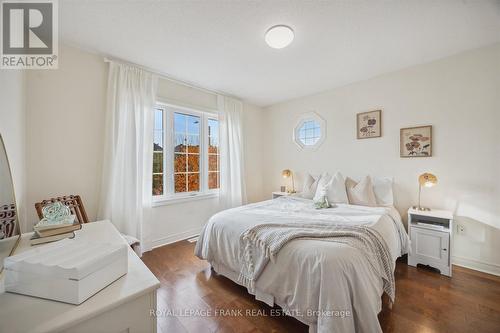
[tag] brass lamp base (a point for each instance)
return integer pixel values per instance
(424, 209)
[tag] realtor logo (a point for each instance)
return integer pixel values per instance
(29, 34)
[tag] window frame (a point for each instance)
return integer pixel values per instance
(156, 107)
(207, 168)
(169, 195)
(306, 117)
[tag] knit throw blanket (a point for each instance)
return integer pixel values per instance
(263, 242)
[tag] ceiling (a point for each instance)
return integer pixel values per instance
(220, 45)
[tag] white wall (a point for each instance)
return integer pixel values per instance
(65, 141)
(65, 130)
(13, 130)
(459, 96)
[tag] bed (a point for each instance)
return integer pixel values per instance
(330, 283)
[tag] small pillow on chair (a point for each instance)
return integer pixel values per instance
(361, 193)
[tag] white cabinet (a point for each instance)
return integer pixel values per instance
(430, 234)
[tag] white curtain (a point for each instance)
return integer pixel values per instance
(232, 173)
(127, 167)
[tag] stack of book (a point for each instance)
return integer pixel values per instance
(50, 231)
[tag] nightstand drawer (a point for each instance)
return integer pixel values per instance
(280, 194)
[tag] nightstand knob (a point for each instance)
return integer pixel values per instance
(444, 249)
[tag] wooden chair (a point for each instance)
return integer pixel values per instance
(74, 202)
(8, 220)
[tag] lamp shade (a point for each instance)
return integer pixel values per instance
(427, 179)
(286, 173)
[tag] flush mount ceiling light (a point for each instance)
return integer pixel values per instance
(279, 36)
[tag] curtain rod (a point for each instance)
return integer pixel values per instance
(169, 78)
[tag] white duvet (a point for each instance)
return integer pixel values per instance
(327, 285)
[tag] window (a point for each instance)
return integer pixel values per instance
(185, 153)
(310, 131)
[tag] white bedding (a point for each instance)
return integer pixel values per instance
(325, 284)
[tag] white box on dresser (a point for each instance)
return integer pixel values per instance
(123, 306)
(70, 270)
(431, 239)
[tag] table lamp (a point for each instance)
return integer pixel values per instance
(286, 174)
(426, 180)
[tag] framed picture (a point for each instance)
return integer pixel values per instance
(369, 124)
(416, 141)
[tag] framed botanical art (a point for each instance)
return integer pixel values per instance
(369, 124)
(416, 141)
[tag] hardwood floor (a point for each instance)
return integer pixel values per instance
(425, 301)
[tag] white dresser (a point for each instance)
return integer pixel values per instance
(431, 239)
(123, 306)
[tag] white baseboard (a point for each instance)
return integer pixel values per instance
(477, 265)
(174, 238)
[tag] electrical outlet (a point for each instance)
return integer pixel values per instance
(460, 229)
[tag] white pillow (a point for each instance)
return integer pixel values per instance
(320, 189)
(333, 188)
(310, 186)
(361, 193)
(382, 187)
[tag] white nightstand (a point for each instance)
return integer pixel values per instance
(280, 194)
(431, 239)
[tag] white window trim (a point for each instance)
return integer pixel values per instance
(169, 196)
(304, 118)
(177, 199)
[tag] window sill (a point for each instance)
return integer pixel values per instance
(182, 199)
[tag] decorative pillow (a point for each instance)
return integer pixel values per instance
(310, 186)
(331, 187)
(361, 193)
(382, 187)
(321, 188)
